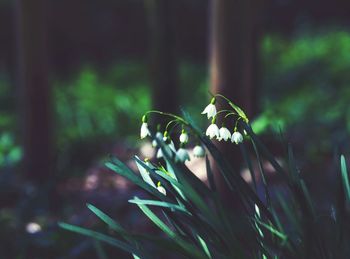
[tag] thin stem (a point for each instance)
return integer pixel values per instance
(170, 115)
(219, 112)
(239, 118)
(231, 113)
(263, 175)
(169, 123)
(220, 95)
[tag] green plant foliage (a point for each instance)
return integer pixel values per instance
(10, 153)
(197, 221)
(305, 87)
(92, 106)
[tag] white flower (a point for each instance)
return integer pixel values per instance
(161, 189)
(213, 131)
(145, 174)
(184, 137)
(169, 148)
(237, 137)
(210, 110)
(182, 155)
(158, 136)
(198, 151)
(224, 134)
(33, 228)
(144, 130)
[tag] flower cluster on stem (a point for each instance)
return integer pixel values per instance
(224, 134)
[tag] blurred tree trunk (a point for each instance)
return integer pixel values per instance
(233, 61)
(165, 92)
(35, 99)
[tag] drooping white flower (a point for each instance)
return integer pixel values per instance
(198, 151)
(144, 130)
(158, 136)
(169, 148)
(154, 143)
(182, 155)
(184, 137)
(225, 134)
(33, 228)
(213, 131)
(144, 173)
(210, 110)
(237, 137)
(161, 189)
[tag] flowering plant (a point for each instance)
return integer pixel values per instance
(198, 222)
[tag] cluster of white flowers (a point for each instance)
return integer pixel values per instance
(213, 130)
(181, 155)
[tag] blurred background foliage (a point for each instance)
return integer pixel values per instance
(306, 88)
(304, 93)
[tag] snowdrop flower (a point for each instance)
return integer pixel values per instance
(198, 151)
(154, 143)
(148, 163)
(158, 136)
(169, 147)
(210, 110)
(33, 228)
(213, 130)
(184, 137)
(144, 173)
(237, 137)
(182, 155)
(161, 189)
(224, 134)
(144, 128)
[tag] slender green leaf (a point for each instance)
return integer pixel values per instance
(210, 175)
(189, 248)
(99, 250)
(249, 164)
(102, 237)
(168, 205)
(273, 230)
(105, 218)
(345, 178)
(120, 168)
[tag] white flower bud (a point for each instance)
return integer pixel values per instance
(184, 137)
(182, 155)
(161, 189)
(198, 151)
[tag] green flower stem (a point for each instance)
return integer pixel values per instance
(231, 113)
(180, 119)
(235, 129)
(237, 109)
(169, 123)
